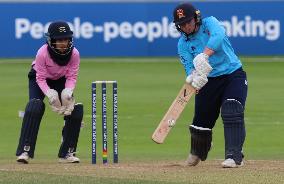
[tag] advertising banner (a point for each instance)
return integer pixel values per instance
(137, 29)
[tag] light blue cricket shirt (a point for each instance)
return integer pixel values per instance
(212, 35)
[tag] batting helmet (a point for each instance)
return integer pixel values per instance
(185, 12)
(59, 30)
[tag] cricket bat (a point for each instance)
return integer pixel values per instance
(173, 113)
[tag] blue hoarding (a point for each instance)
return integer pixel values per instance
(137, 29)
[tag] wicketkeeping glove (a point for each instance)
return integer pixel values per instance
(54, 101)
(68, 101)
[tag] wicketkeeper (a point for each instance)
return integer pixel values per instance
(53, 74)
(214, 70)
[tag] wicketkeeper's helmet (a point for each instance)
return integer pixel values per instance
(59, 30)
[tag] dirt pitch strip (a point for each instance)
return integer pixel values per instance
(254, 171)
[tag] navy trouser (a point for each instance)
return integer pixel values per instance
(71, 128)
(35, 91)
(33, 113)
(210, 98)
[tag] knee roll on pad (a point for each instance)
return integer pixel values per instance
(71, 130)
(201, 139)
(30, 126)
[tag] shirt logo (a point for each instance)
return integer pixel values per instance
(207, 32)
(62, 29)
(180, 13)
(182, 59)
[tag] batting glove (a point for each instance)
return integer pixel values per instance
(197, 79)
(201, 64)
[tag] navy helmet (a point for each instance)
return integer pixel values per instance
(184, 13)
(59, 30)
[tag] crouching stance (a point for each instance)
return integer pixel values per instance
(214, 70)
(53, 75)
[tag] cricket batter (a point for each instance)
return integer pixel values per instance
(53, 74)
(215, 71)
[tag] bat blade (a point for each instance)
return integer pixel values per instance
(173, 113)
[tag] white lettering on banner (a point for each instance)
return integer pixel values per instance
(21, 26)
(252, 28)
(36, 29)
(140, 30)
(110, 30)
(150, 31)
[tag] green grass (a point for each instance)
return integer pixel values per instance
(146, 89)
